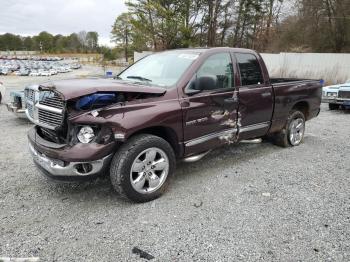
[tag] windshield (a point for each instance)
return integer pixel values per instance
(161, 69)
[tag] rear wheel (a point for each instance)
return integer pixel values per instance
(142, 167)
(333, 106)
(293, 132)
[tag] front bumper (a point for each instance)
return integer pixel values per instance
(68, 163)
(59, 170)
(339, 101)
(19, 112)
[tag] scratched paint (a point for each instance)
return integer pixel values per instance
(229, 138)
(218, 114)
(229, 123)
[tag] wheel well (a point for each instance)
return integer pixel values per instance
(303, 107)
(167, 133)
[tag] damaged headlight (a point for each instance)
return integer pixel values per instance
(86, 134)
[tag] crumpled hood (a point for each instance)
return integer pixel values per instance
(73, 88)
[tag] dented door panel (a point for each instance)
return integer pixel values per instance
(255, 110)
(210, 120)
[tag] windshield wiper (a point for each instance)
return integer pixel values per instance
(140, 78)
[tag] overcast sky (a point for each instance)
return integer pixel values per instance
(30, 17)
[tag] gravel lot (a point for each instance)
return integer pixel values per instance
(246, 202)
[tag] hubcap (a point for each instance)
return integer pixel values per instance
(149, 170)
(296, 131)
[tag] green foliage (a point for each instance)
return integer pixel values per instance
(264, 25)
(110, 54)
(10, 42)
(46, 42)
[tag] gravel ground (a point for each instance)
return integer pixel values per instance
(247, 202)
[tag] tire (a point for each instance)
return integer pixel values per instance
(333, 106)
(284, 138)
(130, 168)
(0, 97)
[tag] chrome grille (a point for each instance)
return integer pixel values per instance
(44, 107)
(29, 94)
(51, 99)
(49, 118)
(30, 109)
(344, 94)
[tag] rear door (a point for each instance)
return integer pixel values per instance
(210, 117)
(256, 98)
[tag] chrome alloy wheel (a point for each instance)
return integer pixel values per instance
(149, 170)
(296, 131)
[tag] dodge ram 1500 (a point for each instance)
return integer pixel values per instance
(176, 104)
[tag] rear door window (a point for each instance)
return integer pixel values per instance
(250, 69)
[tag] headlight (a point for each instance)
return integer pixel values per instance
(332, 94)
(86, 134)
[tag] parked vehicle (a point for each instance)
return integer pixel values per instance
(5, 71)
(44, 73)
(34, 73)
(17, 104)
(24, 72)
(2, 91)
(171, 105)
(337, 95)
(45, 66)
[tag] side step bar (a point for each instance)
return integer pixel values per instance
(195, 157)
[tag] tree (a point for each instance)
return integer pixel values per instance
(10, 42)
(121, 32)
(73, 43)
(44, 41)
(28, 43)
(92, 40)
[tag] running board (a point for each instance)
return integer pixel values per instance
(252, 141)
(195, 157)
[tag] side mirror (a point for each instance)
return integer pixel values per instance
(201, 83)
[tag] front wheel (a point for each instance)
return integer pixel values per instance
(293, 132)
(142, 167)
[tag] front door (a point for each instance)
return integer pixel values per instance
(210, 117)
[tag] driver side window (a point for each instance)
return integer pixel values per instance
(218, 66)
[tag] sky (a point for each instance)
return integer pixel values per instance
(30, 17)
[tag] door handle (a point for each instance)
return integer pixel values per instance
(231, 100)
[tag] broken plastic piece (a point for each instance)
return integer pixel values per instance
(95, 100)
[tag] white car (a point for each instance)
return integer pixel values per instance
(34, 73)
(53, 72)
(45, 73)
(336, 95)
(2, 91)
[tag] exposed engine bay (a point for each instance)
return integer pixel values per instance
(98, 100)
(87, 103)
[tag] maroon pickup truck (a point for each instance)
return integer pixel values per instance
(176, 104)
